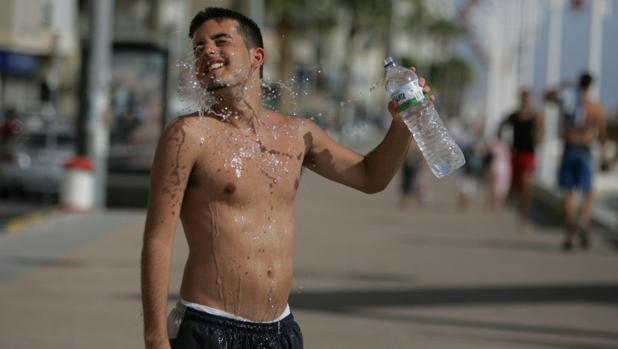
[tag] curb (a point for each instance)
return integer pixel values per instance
(18, 224)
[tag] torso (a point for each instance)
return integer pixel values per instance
(524, 131)
(238, 216)
(584, 135)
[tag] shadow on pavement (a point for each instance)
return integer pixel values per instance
(367, 303)
(349, 300)
(518, 330)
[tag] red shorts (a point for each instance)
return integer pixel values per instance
(523, 162)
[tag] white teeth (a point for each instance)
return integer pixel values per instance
(216, 65)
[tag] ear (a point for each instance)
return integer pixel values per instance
(258, 55)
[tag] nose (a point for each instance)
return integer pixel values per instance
(210, 50)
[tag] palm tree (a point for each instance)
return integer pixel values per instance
(292, 19)
(449, 76)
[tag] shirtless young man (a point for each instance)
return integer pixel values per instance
(582, 121)
(231, 176)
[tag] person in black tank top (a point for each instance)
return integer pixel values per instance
(524, 131)
(527, 125)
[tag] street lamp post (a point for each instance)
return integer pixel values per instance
(598, 12)
(551, 145)
(101, 19)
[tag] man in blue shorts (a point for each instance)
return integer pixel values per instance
(583, 119)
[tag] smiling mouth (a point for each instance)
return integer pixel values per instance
(215, 66)
(215, 88)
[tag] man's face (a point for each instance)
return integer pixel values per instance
(222, 58)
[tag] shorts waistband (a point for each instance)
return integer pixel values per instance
(193, 314)
(221, 313)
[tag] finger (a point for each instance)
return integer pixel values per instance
(421, 81)
(392, 106)
(426, 89)
(432, 98)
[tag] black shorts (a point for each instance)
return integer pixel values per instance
(206, 331)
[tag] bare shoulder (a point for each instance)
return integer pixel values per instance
(288, 121)
(182, 135)
(186, 128)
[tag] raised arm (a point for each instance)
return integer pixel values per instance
(171, 168)
(370, 173)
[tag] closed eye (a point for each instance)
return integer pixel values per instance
(198, 49)
(221, 38)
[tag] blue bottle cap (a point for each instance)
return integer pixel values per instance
(389, 61)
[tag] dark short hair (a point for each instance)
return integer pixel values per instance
(248, 29)
(585, 80)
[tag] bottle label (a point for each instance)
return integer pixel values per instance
(408, 95)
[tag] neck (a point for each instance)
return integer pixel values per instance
(239, 105)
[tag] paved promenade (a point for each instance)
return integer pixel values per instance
(367, 276)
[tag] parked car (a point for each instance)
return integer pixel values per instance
(33, 162)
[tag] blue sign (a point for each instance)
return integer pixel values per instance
(18, 63)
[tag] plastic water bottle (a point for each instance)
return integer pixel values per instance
(439, 149)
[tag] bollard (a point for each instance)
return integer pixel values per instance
(77, 190)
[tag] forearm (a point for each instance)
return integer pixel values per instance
(154, 283)
(383, 162)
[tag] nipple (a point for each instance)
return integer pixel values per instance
(229, 189)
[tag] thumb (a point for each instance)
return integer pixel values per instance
(392, 107)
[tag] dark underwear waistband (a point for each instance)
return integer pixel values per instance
(193, 314)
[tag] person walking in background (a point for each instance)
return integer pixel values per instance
(528, 129)
(582, 120)
(499, 171)
(414, 173)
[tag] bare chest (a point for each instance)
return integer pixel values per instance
(242, 170)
